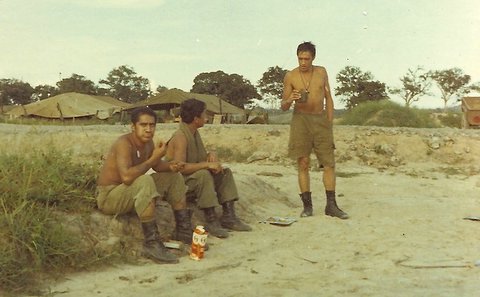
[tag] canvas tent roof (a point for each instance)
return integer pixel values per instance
(176, 97)
(71, 105)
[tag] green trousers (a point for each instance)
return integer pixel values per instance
(210, 190)
(120, 199)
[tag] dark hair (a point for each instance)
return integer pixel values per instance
(306, 46)
(137, 112)
(191, 108)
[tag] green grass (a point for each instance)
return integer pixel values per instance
(386, 113)
(451, 119)
(36, 191)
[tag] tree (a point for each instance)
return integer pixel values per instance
(76, 83)
(41, 92)
(475, 87)
(356, 86)
(271, 85)
(452, 83)
(416, 83)
(124, 84)
(161, 89)
(232, 88)
(368, 91)
(14, 91)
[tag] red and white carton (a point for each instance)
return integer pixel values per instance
(199, 239)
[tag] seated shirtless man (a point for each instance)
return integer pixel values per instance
(123, 185)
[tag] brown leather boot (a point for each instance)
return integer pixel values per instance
(332, 209)
(230, 220)
(153, 247)
(307, 204)
(212, 224)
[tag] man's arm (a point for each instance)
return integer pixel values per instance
(179, 143)
(287, 97)
(328, 98)
(128, 173)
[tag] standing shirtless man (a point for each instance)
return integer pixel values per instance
(311, 126)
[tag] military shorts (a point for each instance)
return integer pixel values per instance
(312, 132)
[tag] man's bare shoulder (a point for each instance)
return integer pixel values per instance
(291, 74)
(122, 142)
(178, 137)
(293, 71)
(320, 69)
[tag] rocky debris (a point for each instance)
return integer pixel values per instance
(257, 156)
(274, 132)
(434, 143)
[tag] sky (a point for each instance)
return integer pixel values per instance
(170, 42)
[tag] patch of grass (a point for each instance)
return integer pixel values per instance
(451, 119)
(35, 193)
(386, 113)
(452, 171)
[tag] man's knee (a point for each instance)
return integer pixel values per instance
(203, 176)
(144, 181)
(303, 163)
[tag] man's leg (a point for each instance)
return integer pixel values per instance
(331, 209)
(227, 194)
(303, 167)
(140, 196)
(201, 185)
(171, 186)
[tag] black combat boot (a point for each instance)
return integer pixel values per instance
(307, 204)
(332, 209)
(153, 247)
(212, 224)
(183, 228)
(230, 220)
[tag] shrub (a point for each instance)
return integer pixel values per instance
(451, 119)
(387, 114)
(35, 192)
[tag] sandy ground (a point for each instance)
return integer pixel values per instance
(406, 235)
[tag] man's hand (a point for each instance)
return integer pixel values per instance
(176, 166)
(295, 95)
(159, 150)
(215, 167)
(212, 157)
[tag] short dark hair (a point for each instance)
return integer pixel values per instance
(137, 112)
(306, 46)
(191, 108)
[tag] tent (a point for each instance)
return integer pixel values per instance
(71, 105)
(174, 97)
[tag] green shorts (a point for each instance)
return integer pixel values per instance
(120, 199)
(312, 132)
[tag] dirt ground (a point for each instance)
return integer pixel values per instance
(407, 192)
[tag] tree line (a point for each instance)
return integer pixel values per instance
(354, 86)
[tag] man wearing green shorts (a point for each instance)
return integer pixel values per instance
(124, 187)
(307, 88)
